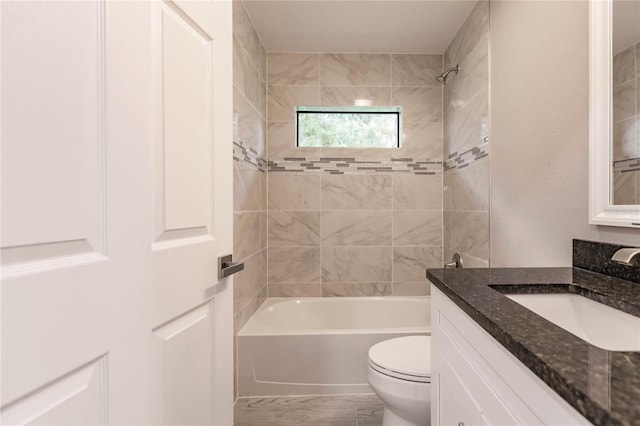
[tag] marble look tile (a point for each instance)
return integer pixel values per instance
(294, 264)
(282, 142)
(469, 187)
(419, 104)
(624, 188)
(244, 31)
(637, 174)
(417, 192)
(295, 290)
(263, 230)
(246, 234)
(474, 28)
(417, 228)
(624, 67)
(289, 191)
(263, 276)
(247, 283)
(361, 154)
(249, 129)
(337, 69)
(263, 64)
(262, 99)
(356, 192)
(294, 228)
(411, 288)
(416, 70)
(294, 68)
(246, 77)
(411, 263)
(471, 79)
(333, 410)
(356, 264)
(356, 289)
(355, 228)
(316, 417)
(370, 416)
(240, 318)
(468, 126)
(624, 101)
(421, 141)
(625, 139)
(346, 96)
(467, 232)
(282, 100)
(311, 401)
(249, 188)
(638, 91)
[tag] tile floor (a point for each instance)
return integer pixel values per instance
(338, 410)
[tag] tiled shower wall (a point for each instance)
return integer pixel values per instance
(626, 126)
(249, 168)
(354, 222)
(466, 142)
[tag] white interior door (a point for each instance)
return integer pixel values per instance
(116, 157)
(191, 84)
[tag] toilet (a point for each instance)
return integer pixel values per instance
(399, 373)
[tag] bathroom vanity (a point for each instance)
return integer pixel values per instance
(497, 362)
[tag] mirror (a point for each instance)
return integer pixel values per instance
(614, 137)
(626, 102)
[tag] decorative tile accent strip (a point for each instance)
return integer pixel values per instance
(338, 165)
(630, 165)
(250, 156)
(464, 159)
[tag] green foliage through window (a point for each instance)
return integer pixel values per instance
(348, 127)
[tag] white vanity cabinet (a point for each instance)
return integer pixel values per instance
(476, 381)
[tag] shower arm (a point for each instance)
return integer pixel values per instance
(442, 78)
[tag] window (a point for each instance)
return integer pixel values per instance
(348, 127)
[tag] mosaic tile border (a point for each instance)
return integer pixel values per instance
(460, 161)
(349, 165)
(628, 165)
(249, 155)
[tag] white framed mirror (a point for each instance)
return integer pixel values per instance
(609, 169)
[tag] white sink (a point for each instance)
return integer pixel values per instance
(598, 324)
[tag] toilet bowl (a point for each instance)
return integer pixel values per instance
(399, 373)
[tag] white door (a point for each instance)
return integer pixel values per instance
(116, 165)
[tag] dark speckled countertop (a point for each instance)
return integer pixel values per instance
(603, 386)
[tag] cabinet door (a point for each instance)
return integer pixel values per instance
(456, 406)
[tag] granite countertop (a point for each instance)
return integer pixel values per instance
(604, 386)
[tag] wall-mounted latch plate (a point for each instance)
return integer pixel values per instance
(227, 267)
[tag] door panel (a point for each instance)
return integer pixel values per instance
(52, 174)
(191, 152)
(77, 398)
(187, 98)
(52, 195)
(184, 347)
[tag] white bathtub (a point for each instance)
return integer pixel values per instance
(313, 346)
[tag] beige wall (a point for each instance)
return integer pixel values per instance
(466, 144)
(249, 169)
(539, 134)
(354, 222)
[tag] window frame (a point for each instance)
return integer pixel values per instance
(385, 110)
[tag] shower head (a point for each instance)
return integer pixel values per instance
(442, 78)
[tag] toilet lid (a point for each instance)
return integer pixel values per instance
(407, 358)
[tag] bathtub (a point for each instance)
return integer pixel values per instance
(313, 346)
